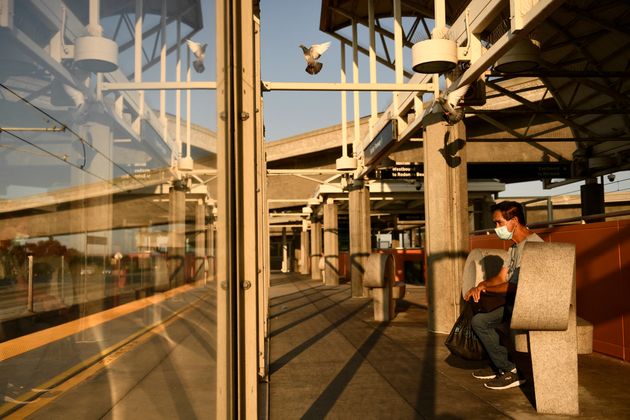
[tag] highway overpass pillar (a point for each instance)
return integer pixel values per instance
(446, 214)
(331, 245)
(360, 235)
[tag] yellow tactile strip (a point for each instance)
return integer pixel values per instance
(56, 386)
(29, 342)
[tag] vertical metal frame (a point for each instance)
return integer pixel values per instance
(178, 92)
(373, 94)
(263, 225)
(249, 242)
(137, 73)
(344, 101)
(225, 254)
(238, 168)
(188, 100)
(398, 62)
(356, 140)
(163, 69)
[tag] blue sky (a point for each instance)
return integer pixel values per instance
(285, 25)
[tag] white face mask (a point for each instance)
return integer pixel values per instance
(503, 233)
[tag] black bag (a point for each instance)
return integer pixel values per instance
(462, 341)
(488, 302)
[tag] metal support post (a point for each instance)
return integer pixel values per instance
(344, 102)
(373, 94)
(163, 71)
(178, 92)
(188, 99)
(137, 73)
(355, 78)
(398, 52)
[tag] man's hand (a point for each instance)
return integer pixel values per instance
(475, 292)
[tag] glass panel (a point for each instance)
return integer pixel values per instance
(107, 211)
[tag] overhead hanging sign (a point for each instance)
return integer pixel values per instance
(378, 146)
(403, 172)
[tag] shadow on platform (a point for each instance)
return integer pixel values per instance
(330, 359)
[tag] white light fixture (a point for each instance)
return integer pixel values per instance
(434, 56)
(96, 54)
(346, 163)
(523, 56)
(185, 164)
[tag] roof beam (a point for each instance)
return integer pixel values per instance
(342, 87)
(534, 107)
(365, 52)
(538, 13)
(593, 111)
(610, 26)
(515, 133)
(379, 29)
(155, 28)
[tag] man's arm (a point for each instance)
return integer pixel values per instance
(496, 283)
(502, 288)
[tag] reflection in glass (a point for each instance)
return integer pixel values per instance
(105, 246)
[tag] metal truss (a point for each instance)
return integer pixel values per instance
(386, 59)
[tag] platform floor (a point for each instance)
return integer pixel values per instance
(329, 359)
(123, 368)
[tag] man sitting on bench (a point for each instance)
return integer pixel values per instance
(509, 219)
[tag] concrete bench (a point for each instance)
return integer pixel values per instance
(584, 338)
(545, 307)
(483, 263)
(542, 320)
(380, 278)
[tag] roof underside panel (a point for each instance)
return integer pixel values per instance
(585, 68)
(336, 13)
(192, 17)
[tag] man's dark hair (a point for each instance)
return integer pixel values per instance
(510, 209)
